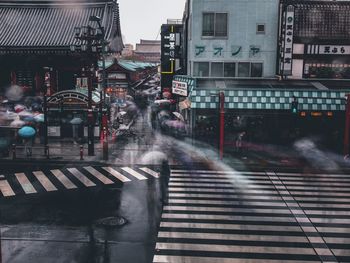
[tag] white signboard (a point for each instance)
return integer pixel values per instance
(328, 49)
(288, 42)
(180, 88)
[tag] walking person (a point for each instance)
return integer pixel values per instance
(164, 181)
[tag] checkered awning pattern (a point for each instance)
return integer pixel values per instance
(314, 100)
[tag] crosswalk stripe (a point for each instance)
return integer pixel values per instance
(227, 202)
(230, 248)
(174, 171)
(215, 196)
(25, 183)
(116, 174)
(134, 173)
(228, 217)
(98, 175)
(6, 189)
(45, 182)
(196, 225)
(149, 171)
(225, 209)
(230, 236)
(63, 179)
(197, 259)
(81, 177)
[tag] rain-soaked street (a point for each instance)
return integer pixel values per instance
(242, 208)
(162, 131)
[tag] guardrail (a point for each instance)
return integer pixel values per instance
(48, 151)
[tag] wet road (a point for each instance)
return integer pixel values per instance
(217, 212)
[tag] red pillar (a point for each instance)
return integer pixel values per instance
(347, 126)
(222, 123)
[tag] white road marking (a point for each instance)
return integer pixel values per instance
(227, 209)
(45, 182)
(98, 175)
(63, 179)
(6, 189)
(230, 226)
(116, 174)
(149, 171)
(25, 183)
(233, 248)
(189, 259)
(81, 177)
(134, 173)
(218, 236)
(228, 217)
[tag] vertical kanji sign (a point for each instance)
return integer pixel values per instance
(287, 50)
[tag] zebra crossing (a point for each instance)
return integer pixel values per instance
(39, 181)
(255, 216)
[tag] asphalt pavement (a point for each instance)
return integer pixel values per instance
(245, 208)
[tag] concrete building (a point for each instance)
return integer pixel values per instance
(148, 50)
(128, 50)
(235, 47)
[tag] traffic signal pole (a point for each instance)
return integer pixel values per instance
(222, 124)
(347, 126)
(91, 121)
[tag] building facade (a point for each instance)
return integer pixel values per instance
(148, 51)
(232, 39)
(319, 39)
(235, 48)
(39, 52)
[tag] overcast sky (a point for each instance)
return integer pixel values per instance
(143, 18)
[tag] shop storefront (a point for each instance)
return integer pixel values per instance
(66, 106)
(315, 39)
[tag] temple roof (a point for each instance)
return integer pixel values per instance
(45, 24)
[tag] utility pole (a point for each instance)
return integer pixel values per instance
(347, 126)
(103, 111)
(222, 124)
(91, 121)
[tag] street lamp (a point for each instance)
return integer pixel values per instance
(100, 35)
(86, 38)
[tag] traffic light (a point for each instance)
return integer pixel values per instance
(294, 106)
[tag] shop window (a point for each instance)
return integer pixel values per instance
(201, 69)
(256, 70)
(229, 70)
(214, 24)
(217, 69)
(243, 69)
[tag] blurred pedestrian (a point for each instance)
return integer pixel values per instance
(164, 181)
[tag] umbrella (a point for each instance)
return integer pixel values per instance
(17, 123)
(179, 116)
(29, 119)
(26, 132)
(76, 121)
(19, 108)
(39, 117)
(24, 114)
(11, 115)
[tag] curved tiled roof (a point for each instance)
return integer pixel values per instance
(46, 24)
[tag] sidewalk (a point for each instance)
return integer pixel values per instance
(63, 151)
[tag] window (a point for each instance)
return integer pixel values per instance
(201, 69)
(243, 69)
(208, 24)
(217, 69)
(256, 70)
(214, 25)
(260, 28)
(229, 70)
